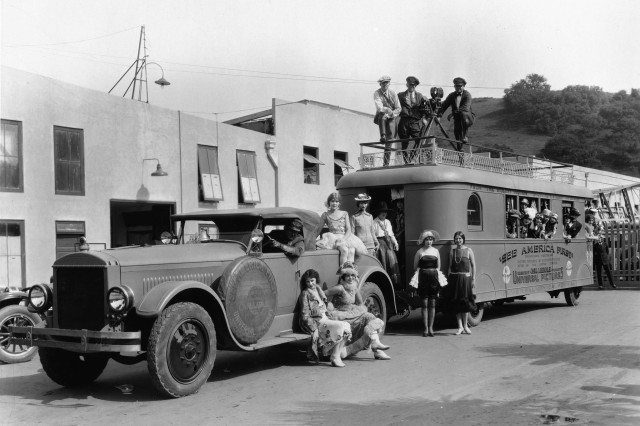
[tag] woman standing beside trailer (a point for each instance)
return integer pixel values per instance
(462, 276)
(428, 260)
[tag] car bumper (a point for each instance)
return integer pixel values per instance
(76, 340)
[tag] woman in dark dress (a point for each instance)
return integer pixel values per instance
(427, 259)
(462, 276)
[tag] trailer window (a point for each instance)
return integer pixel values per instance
(474, 213)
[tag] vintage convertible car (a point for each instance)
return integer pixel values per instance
(174, 304)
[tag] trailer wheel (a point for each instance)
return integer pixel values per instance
(182, 349)
(476, 316)
(72, 369)
(17, 316)
(572, 296)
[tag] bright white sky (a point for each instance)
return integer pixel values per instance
(227, 55)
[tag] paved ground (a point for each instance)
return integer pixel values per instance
(528, 363)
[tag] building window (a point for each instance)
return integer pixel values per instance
(209, 174)
(68, 234)
(311, 165)
(248, 190)
(340, 165)
(12, 264)
(474, 213)
(69, 160)
(11, 156)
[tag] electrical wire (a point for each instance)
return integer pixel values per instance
(70, 42)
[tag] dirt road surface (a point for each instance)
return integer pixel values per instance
(528, 363)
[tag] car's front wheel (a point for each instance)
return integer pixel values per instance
(182, 349)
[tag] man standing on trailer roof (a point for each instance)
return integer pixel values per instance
(460, 103)
(387, 110)
(411, 115)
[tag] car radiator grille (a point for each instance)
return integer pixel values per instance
(80, 295)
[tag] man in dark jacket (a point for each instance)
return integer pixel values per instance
(411, 115)
(290, 241)
(460, 103)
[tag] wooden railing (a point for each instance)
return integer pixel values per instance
(623, 240)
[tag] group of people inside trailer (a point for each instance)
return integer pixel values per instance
(337, 318)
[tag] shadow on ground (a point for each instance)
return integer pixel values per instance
(533, 410)
(584, 356)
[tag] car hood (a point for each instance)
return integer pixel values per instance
(155, 255)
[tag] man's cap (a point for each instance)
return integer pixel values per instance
(459, 80)
(384, 78)
(413, 80)
(295, 225)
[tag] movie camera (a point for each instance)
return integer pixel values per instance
(431, 107)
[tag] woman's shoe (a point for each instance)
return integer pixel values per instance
(337, 363)
(600, 287)
(376, 344)
(380, 355)
(467, 331)
(614, 286)
(460, 330)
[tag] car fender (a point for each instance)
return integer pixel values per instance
(12, 298)
(156, 300)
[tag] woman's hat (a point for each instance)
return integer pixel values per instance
(382, 207)
(554, 216)
(574, 212)
(348, 268)
(428, 232)
(362, 197)
(514, 213)
(546, 212)
(524, 201)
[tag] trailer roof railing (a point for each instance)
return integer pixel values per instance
(433, 150)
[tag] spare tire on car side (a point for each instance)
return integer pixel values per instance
(250, 295)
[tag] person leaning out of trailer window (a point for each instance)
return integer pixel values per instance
(551, 226)
(513, 223)
(572, 227)
(525, 224)
(537, 229)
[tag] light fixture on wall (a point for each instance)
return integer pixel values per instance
(159, 171)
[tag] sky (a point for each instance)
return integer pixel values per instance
(228, 58)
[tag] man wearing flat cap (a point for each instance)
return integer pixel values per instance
(460, 102)
(411, 124)
(288, 240)
(387, 110)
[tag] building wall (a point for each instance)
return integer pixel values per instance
(325, 127)
(118, 134)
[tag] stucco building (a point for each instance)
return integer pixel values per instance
(78, 162)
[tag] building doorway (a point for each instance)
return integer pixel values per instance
(139, 223)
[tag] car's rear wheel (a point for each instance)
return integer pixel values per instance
(374, 300)
(16, 316)
(182, 349)
(72, 369)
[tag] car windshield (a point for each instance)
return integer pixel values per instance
(235, 229)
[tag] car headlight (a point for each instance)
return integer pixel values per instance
(40, 297)
(120, 299)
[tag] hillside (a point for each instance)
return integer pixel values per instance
(489, 129)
